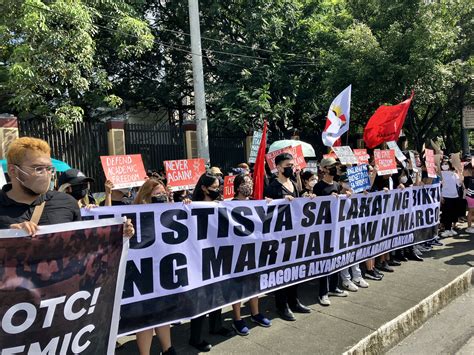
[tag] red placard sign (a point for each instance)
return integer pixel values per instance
(124, 170)
(385, 162)
(229, 187)
(183, 174)
(296, 152)
(430, 163)
(362, 156)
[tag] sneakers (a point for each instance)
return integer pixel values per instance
(261, 320)
(446, 233)
(437, 243)
(453, 232)
(361, 283)
(349, 286)
(240, 327)
(373, 275)
(470, 230)
(324, 301)
(384, 267)
(338, 293)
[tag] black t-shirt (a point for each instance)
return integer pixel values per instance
(380, 183)
(469, 184)
(322, 188)
(59, 208)
(275, 190)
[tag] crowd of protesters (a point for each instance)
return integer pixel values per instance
(33, 186)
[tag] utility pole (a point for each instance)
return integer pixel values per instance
(198, 79)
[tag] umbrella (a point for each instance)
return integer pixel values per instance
(58, 164)
(308, 150)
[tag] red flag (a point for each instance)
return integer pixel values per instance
(386, 123)
(259, 169)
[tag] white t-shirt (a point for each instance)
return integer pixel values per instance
(450, 183)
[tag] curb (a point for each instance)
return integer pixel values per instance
(391, 333)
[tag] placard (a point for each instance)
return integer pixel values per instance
(311, 165)
(359, 178)
(398, 153)
(330, 155)
(362, 156)
(256, 139)
(229, 187)
(385, 162)
(124, 170)
(345, 155)
(296, 152)
(183, 174)
(430, 163)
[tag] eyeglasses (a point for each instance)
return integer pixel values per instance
(38, 170)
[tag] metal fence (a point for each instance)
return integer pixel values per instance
(80, 147)
(155, 145)
(227, 152)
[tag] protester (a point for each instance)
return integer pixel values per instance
(27, 203)
(243, 188)
(116, 197)
(153, 191)
(327, 186)
(469, 188)
(450, 182)
(207, 189)
(76, 184)
(283, 186)
(308, 180)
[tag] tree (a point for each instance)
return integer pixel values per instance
(51, 62)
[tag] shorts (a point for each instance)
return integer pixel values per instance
(470, 202)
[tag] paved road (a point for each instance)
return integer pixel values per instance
(451, 331)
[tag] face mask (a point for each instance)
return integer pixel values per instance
(35, 185)
(403, 179)
(79, 191)
(445, 167)
(159, 199)
(288, 172)
(246, 190)
(333, 171)
(312, 183)
(213, 194)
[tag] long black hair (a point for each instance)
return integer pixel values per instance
(205, 180)
(239, 180)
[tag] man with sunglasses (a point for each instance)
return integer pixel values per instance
(30, 170)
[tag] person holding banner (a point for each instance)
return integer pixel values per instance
(308, 180)
(207, 189)
(243, 188)
(153, 191)
(76, 184)
(327, 186)
(283, 186)
(116, 197)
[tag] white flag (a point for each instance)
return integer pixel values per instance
(337, 121)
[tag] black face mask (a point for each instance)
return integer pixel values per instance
(333, 172)
(288, 172)
(214, 194)
(159, 199)
(79, 191)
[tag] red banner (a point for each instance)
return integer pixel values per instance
(184, 174)
(296, 152)
(385, 162)
(124, 170)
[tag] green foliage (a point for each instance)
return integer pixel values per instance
(50, 55)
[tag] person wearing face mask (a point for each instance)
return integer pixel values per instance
(308, 180)
(243, 188)
(152, 191)
(327, 186)
(30, 170)
(450, 183)
(207, 189)
(116, 197)
(283, 186)
(76, 184)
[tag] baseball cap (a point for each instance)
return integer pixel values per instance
(327, 162)
(73, 177)
(215, 171)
